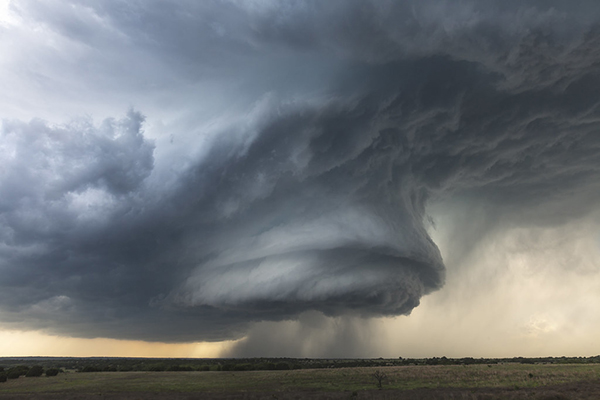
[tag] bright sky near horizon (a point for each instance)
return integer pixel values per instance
(299, 178)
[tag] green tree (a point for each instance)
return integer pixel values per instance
(35, 371)
(52, 371)
(15, 372)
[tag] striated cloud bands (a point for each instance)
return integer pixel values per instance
(336, 125)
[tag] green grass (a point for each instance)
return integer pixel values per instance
(342, 379)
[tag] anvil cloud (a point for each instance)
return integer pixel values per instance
(277, 157)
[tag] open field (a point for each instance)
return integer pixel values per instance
(406, 382)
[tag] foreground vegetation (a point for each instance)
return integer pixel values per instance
(351, 381)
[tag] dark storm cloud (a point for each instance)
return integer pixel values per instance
(314, 196)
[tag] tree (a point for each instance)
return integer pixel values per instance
(15, 372)
(380, 376)
(52, 371)
(35, 371)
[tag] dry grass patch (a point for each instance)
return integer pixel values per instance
(317, 380)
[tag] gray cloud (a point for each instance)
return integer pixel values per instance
(306, 188)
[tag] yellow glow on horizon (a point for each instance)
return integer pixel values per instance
(31, 343)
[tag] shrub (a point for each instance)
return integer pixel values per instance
(52, 371)
(35, 371)
(90, 368)
(227, 367)
(380, 377)
(180, 368)
(158, 367)
(3, 377)
(269, 366)
(282, 366)
(242, 367)
(13, 374)
(204, 368)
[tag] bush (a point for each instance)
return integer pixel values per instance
(3, 377)
(282, 366)
(15, 372)
(180, 368)
(242, 367)
(158, 367)
(52, 371)
(269, 366)
(90, 368)
(380, 377)
(227, 367)
(35, 371)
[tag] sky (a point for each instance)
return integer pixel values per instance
(299, 178)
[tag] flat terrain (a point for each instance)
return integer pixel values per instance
(502, 381)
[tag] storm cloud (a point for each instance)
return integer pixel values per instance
(291, 153)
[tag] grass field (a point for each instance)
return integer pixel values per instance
(329, 383)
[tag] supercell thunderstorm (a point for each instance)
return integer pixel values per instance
(310, 192)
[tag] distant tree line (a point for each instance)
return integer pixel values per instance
(230, 365)
(26, 371)
(15, 367)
